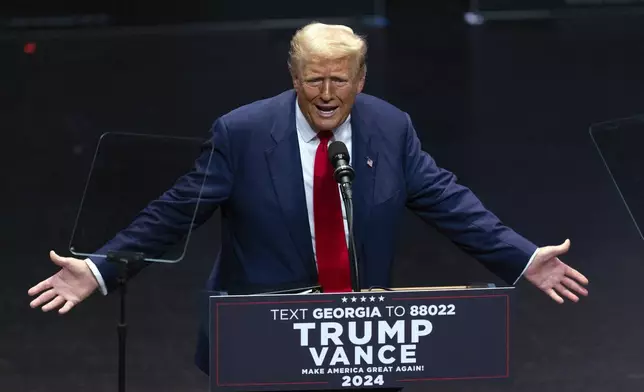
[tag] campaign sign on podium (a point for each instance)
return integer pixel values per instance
(358, 340)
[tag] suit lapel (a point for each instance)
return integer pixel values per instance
(284, 163)
(285, 166)
(364, 161)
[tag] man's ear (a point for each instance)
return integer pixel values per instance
(361, 81)
(294, 77)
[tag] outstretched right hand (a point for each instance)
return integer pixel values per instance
(69, 286)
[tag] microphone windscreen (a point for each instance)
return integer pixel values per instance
(338, 148)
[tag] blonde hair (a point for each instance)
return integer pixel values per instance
(319, 41)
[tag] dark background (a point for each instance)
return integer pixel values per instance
(506, 105)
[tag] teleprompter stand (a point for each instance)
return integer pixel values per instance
(123, 260)
(373, 339)
(138, 172)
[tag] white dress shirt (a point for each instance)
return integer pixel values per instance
(308, 140)
(308, 143)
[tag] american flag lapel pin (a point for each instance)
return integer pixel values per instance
(369, 162)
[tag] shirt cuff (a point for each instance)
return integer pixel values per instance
(527, 265)
(97, 275)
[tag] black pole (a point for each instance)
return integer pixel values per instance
(353, 257)
(123, 261)
(122, 327)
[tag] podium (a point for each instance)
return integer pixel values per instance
(359, 340)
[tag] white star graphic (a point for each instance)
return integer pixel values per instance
(381, 298)
(344, 299)
(353, 299)
(363, 299)
(372, 299)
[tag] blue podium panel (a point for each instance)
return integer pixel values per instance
(383, 339)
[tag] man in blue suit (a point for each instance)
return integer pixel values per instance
(283, 223)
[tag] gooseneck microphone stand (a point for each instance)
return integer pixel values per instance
(347, 198)
(343, 174)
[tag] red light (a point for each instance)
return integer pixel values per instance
(30, 47)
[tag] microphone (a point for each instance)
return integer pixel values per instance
(344, 175)
(343, 172)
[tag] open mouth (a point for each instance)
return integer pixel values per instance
(326, 111)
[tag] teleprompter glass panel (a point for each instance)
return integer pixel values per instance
(621, 146)
(142, 195)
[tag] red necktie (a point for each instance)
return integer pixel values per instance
(330, 243)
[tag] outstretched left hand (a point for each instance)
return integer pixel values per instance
(553, 276)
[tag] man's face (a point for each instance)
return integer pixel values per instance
(326, 91)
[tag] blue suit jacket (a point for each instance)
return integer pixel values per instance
(255, 177)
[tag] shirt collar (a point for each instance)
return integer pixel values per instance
(308, 134)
